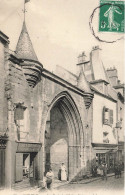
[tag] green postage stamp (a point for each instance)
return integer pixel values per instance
(111, 16)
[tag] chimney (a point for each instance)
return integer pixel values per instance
(98, 70)
(82, 63)
(100, 78)
(96, 47)
(95, 52)
(81, 58)
(113, 76)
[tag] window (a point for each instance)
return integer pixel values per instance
(111, 116)
(106, 140)
(100, 158)
(20, 116)
(19, 113)
(107, 116)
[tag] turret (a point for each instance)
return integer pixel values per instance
(83, 84)
(31, 66)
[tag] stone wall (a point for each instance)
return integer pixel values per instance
(18, 92)
(3, 100)
(51, 91)
(38, 102)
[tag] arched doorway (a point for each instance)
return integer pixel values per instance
(63, 136)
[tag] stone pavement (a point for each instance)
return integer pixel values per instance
(91, 179)
(112, 185)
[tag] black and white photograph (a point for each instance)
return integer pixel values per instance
(62, 93)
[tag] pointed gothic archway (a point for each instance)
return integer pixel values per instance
(64, 136)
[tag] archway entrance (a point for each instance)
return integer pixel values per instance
(59, 155)
(56, 136)
(63, 137)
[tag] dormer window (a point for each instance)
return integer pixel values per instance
(107, 116)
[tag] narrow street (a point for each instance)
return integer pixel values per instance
(112, 185)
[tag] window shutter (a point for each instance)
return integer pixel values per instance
(111, 116)
(103, 115)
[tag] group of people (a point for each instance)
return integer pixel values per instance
(62, 175)
(101, 170)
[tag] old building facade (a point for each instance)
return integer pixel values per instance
(48, 118)
(37, 103)
(107, 110)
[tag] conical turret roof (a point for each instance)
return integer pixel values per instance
(82, 82)
(24, 48)
(84, 85)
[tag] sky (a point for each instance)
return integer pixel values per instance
(60, 31)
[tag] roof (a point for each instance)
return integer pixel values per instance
(66, 75)
(3, 37)
(119, 86)
(82, 82)
(24, 48)
(97, 65)
(102, 94)
(98, 81)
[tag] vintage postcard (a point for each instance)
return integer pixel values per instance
(62, 97)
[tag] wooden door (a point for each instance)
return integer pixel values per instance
(33, 166)
(19, 167)
(31, 170)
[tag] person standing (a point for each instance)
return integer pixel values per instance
(59, 174)
(116, 170)
(49, 178)
(105, 171)
(119, 170)
(63, 172)
(101, 169)
(94, 170)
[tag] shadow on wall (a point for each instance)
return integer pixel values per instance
(84, 172)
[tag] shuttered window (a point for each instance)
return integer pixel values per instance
(105, 116)
(111, 117)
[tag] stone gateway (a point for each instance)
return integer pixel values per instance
(48, 119)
